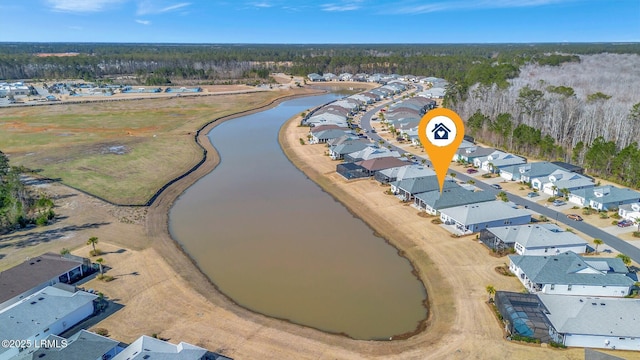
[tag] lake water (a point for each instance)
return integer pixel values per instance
(275, 243)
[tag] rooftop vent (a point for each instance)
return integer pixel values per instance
(33, 302)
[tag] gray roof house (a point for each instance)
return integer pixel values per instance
(146, 347)
(474, 217)
(570, 274)
(604, 197)
(533, 239)
(370, 152)
(606, 323)
(49, 311)
(528, 171)
(408, 188)
(630, 211)
(322, 137)
(338, 152)
(315, 77)
(469, 154)
(561, 179)
(403, 172)
(36, 273)
(82, 345)
(434, 201)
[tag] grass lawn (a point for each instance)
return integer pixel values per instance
(121, 151)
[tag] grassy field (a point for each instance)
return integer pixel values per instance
(121, 151)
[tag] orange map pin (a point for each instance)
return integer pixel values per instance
(441, 132)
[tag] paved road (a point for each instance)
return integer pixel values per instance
(592, 231)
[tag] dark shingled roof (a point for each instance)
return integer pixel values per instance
(32, 273)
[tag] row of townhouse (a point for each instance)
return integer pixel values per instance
(431, 82)
(17, 88)
(555, 179)
(39, 304)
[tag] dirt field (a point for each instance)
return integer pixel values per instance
(163, 293)
(120, 151)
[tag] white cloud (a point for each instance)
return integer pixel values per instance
(262, 4)
(344, 6)
(147, 7)
(81, 6)
(414, 8)
(143, 22)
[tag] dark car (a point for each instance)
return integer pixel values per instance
(532, 194)
(625, 223)
(575, 217)
(496, 186)
(471, 171)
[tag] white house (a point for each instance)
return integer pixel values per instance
(433, 201)
(403, 172)
(146, 347)
(605, 323)
(561, 179)
(526, 172)
(497, 159)
(604, 197)
(630, 211)
(535, 239)
(475, 217)
(570, 274)
(49, 311)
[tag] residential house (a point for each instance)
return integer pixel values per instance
(83, 345)
(470, 154)
(497, 160)
(630, 211)
(526, 172)
(330, 77)
(322, 137)
(570, 274)
(315, 77)
(337, 152)
(36, 273)
(476, 217)
(146, 347)
(408, 188)
(533, 239)
(433, 201)
(604, 198)
(51, 310)
(327, 118)
(377, 164)
(569, 167)
(345, 77)
(605, 323)
(561, 179)
(370, 152)
(403, 172)
(351, 171)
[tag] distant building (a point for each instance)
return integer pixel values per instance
(315, 77)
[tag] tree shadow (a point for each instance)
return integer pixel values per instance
(63, 196)
(25, 238)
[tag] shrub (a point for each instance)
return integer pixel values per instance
(41, 220)
(436, 221)
(556, 345)
(551, 199)
(95, 253)
(105, 278)
(604, 215)
(102, 331)
(301, 141)
(543, 218)
(616, 216)
(636, 234)
(587, 211)
(575, 207)
(527, 339)
(614, 222)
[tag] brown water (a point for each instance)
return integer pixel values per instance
(275, 243)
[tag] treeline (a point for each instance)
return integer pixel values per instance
(587, 113)
(463, 64)
(18, 204)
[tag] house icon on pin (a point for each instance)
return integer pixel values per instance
(440, 132)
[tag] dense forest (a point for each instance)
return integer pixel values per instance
(575, 102)
(463, 63)
(585, 112)
(19, 206)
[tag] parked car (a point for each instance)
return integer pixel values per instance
(575, 217)
(558, 203)
(496, 186)
(471, 171)
(532, 194)
(625, 223)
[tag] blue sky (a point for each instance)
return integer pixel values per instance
(322, 21)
